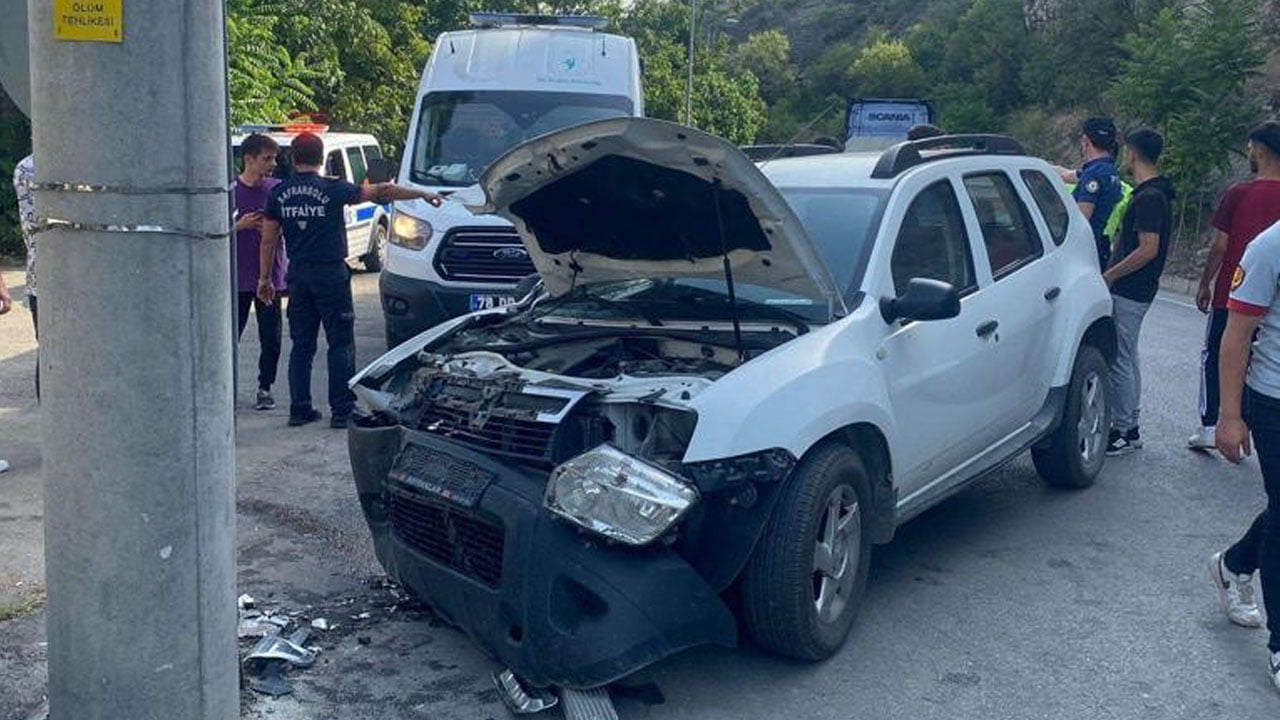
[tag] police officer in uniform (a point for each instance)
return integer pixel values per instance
(1097, 182)
(307, 210)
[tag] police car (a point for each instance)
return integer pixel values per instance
(347, 156)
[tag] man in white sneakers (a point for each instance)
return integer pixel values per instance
(1250, 402)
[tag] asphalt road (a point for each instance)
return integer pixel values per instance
(1011, 600)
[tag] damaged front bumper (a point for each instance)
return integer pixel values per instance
(558, 607)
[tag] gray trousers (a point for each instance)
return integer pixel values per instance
(1126, 377)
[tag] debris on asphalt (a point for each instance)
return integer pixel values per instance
(519, 699)
(270, 679)
(245, 602)
(362, 616)
(267, 665)
(364, 639)
(255, 624)
(277, 647)
(323, 624)
(591, 704)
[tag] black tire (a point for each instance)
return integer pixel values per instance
(780, 585)
(372, 260)
(1076, 451)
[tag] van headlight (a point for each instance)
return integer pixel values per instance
(618, 496)
(410, 232)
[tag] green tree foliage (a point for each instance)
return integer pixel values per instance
(726, 101)
(886, 69)
(1186, 74)
(264, 81)
(767, 56)
(359, 59)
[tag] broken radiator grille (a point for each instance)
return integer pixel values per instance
(519, 439)
(464, 543)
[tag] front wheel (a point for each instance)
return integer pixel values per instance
(1077, 449)
(804, 583)
(372, 260)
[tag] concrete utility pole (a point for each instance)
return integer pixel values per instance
(139, 458)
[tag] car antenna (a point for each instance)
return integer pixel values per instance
(728, 271)
(795, 138)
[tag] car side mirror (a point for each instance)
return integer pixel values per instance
(924, 299)
(381, 170)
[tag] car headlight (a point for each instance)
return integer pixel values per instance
(410, 232)
(618, 496)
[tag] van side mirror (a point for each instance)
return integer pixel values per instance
(924, 299)
(381, 170)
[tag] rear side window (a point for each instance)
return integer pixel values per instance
(1007, 230)
(932, 242)
(372, 152)
(357, 165)
(1050, 204)
(334, 166)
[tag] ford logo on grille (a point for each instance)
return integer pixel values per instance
(510, 253)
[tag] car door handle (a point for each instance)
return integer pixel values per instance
(987, 328)
(1052, 293)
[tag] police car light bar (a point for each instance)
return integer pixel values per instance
(497, 20)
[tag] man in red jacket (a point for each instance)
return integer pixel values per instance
(1246, 209)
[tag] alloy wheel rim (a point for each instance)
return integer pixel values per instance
(1090, 432)
(836, 553)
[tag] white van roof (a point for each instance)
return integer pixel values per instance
(533, 57)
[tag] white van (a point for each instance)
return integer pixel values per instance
(484, 91)
(346, 156)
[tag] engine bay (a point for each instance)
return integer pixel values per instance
(539, 393)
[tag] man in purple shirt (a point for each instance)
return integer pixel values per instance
(253, 185)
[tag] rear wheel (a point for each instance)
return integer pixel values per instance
(372, 260)
(803, 585)
(1077, 449)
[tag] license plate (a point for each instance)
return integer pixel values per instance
(434, 473)
(489, 302)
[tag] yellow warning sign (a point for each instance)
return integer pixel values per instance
(101, 20)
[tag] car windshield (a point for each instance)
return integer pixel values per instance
(840, 223)
(460, 133)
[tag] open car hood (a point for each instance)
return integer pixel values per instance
(625, 198)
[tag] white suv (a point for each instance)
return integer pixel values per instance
(731, 377)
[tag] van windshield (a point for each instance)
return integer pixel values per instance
(460, 133)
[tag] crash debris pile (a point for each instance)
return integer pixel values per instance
(282, 640)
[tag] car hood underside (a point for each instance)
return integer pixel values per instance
(636, 197)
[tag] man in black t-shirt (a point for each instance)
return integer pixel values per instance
(307, 210)
(1134, 278)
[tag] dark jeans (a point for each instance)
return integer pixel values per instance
(320, 294)
(1216, 324)
(268, 335)
(1259, 549)
(35, 321)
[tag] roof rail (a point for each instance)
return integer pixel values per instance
(904, 156)
(501, 19)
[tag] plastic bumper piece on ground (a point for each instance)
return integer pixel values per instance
(561, 608)
(410, 305)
